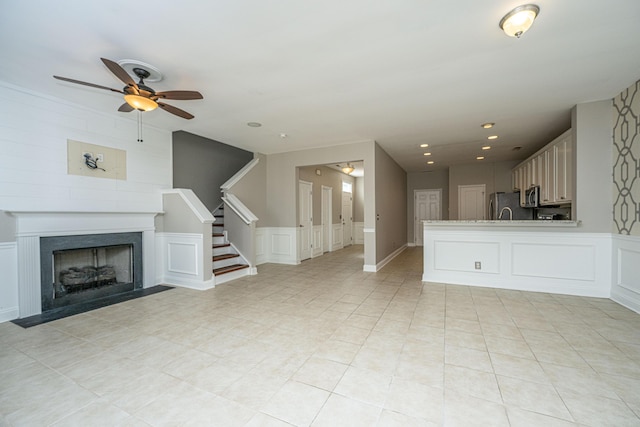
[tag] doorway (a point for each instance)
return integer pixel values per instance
(427, 206)
(471, 202)
(305, 215)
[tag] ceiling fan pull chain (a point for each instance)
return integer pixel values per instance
(139, 126)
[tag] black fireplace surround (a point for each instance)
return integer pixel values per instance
(106, 285)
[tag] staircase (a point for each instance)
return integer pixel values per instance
(227, 263)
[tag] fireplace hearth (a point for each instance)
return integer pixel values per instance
(81, 268)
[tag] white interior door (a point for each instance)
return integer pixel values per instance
(427, 206)
(305, 215)
(347, 218)
(327, 193)
(471, 201)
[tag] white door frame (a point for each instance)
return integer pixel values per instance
(418, 228)
(327, 218)
(347, 225)
(305, 224)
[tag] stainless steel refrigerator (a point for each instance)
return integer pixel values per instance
(506, 206)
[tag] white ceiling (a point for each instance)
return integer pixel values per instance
(333, 72)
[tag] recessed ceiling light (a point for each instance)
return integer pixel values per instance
(283, 135)
(430, 162)
(492, 137)
(480, 158)
(486, 147)
(254, 124)
(427, 154)
(424, 145)
(487, 125)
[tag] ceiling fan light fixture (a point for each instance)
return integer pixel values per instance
(140, 102)
(348, 169)
(519, 20)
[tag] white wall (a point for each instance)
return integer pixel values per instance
(33, 165)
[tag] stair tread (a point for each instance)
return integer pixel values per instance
(218, 216)
(221, 245)
(218, 224)
(229, 268)
(218, 234)
(224, 256)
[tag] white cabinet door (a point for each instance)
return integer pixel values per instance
(563, 187)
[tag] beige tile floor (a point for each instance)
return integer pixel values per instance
(325, 344)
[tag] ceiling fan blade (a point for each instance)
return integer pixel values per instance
(126, 108)
(173, 110)
(179, 94)
(86, 84)
(119, 72)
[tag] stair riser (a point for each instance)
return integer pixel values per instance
(222, 251)
(218, 240)
(226, 262)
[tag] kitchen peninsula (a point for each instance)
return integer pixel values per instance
(542, 256)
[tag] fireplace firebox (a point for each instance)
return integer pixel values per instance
(81, 268)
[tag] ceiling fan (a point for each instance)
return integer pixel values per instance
(139, 96)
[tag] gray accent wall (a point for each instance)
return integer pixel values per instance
(391, 205)
(203, 165)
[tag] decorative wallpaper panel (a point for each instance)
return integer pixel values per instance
(626, 161)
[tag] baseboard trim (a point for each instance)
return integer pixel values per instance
(375, 268)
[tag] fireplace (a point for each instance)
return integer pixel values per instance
(81, 268)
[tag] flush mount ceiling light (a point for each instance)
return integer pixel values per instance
(424, 145)
(480, 158)
(430, 162)
(486, 147)
(519, 20)
(254, 124)
(487, 125)
(140, 102)
(348, 169)
(427, 154)
(492, 137)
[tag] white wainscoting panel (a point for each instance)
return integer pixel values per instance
(543, 261)
(261, 250)
(554, 261)
(317, 241)
(358, 233)
(9, 284)
(182, 257)
(625, 288)
(462, 256)
(338, 237)
(276, 244)
(179, 262)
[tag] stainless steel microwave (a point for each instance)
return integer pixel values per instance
(532, 197)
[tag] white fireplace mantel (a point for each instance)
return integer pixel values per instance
(31, 225)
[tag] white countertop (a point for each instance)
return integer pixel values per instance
(502, 223)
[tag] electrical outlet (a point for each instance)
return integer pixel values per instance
(100, 157)
(478, 265)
